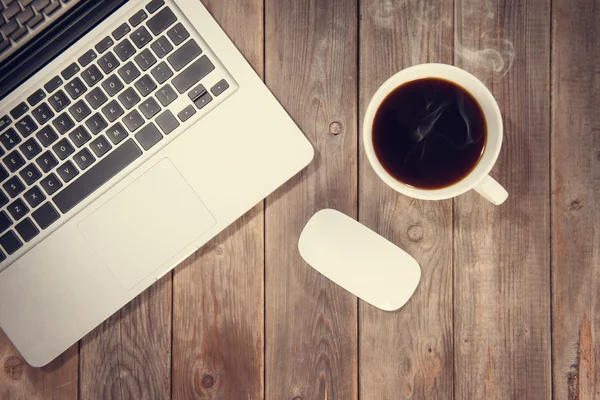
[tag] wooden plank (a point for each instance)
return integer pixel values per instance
(218, 311)
(407, 353)
(311, 332)
(129, 355)
(501, 254)
(575, 199)
(58, 380)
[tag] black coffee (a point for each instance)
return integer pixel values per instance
(429, 133)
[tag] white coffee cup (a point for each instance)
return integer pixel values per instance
(478, 179)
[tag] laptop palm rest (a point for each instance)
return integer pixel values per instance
(134, 236)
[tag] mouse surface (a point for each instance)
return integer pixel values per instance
(359, 260)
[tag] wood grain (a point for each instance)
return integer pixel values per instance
(311, 332)
(406, 354)
(218, 310)
(576, 199)
(501, 254)
(56, 381)
(129, 355)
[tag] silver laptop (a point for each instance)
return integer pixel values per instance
(123, 155)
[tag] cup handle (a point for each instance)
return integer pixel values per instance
(492, 190)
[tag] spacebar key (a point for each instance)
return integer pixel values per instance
(97, 176)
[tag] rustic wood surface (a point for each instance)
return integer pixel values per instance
(508, 305)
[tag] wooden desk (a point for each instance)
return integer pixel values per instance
(508, 306)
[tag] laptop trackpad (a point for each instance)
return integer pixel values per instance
(146, 224)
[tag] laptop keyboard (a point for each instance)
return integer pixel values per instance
(22, 19)
(101, 113)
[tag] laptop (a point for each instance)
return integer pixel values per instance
(131, 133)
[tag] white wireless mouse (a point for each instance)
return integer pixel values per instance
(359, 260)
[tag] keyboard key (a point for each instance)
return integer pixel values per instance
(100, 146)
(96, 98)
(184, 55)
(27, 230)
(51, 8)
(13, 187)
(84, 159)
(46, 161)
(45, 215)
(201, 102)
(75, 88)
(4, 45)
(36, 97)
(192, 74)
(162, 72)
(19, 110)
(3, 199)
(133, 121)
(129, 98)
(145, 85)
(92, 75)
(63, 123)
(30, 174)
(161, 21)
(112, 85)
(67, 171)
(108, 62)
(59, 101)
(18, 209)
(50, 184)
(30, 148)
(35, 21)
(167, 122)
(148, 136)
(166, 95)
(124, 50)
(42, 113)
(80, 136)
(10, 242)
(53, 84)
(46, 136)
(11, 10)
(161, 47)
(5, 221)
(96, 124)
(25, 15)
(63, 149)
(138, 18)
(121, 31)
(220, 87)
(104, 45)
(9, 27)
(14, 161)
(10, 139)
(26, 126)
(117, 133)
(149, 108)
(140, 37)
(145, 59)
(178, 34)
(87, 58)
(39, 5)
(97, 176)
(79, 110)
(70, 71)
(18, 34)
(112, 111)
(4, 122)
(129, 72)
(154, 5)
(34, 197)
(196, 92)
(3, 173)
(186, 113)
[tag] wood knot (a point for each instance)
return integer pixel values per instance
(220, 250)
(415, 233)
(208, 381)
(429, 349)
(335, 128)
(13, 368)
(575, 205)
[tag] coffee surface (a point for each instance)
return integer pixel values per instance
(429, 133)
